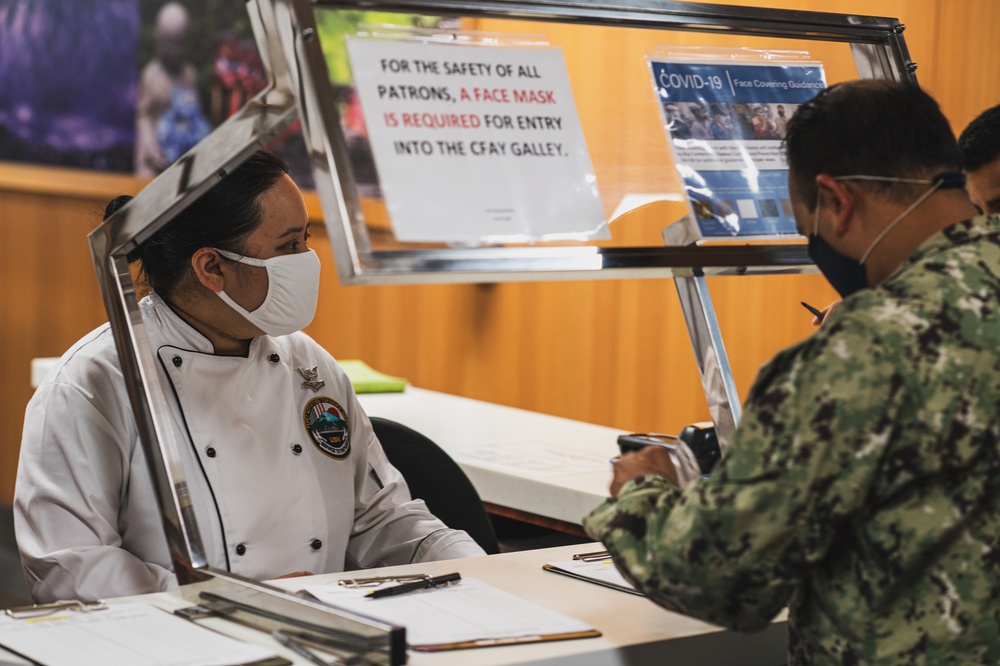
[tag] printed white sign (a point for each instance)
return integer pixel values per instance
(476, 144)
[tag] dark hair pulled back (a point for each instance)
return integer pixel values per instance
(222, 218)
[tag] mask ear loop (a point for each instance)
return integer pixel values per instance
(240, 259)
(889, 227)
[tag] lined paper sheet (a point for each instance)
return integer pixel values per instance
(124, 635)
(532, 458)
(469, 611)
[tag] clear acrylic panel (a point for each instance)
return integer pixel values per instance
(605, 48)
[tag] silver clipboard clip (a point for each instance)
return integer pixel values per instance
(41, 610)
(375, 581)
(598, 556)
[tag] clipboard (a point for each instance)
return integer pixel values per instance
(74, 633)
(598, 571)
(41, 610)
(463, 615)
(519, 640)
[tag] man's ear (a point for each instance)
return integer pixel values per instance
(841, 196)
(207, 266)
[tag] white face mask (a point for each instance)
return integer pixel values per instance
(292, 292)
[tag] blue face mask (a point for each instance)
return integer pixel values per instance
(847, 275)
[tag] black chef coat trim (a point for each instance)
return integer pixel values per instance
(197, 455)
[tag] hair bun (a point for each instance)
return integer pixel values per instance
(115, 204)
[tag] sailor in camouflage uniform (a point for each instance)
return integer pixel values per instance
(862, 487)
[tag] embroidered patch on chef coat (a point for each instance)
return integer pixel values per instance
(326, 423)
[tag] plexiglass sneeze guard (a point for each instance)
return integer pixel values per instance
(878, 51)
(288, 39)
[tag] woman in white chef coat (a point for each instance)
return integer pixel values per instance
(284, 471)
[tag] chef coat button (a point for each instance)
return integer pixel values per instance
(210, 452)
(296, 449)
(241, 549)
(316, 544)
(273, 358)
(177, 360)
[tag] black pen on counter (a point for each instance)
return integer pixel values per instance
(815, 311)
(433, 581)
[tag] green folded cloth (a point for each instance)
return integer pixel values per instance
(366, 379)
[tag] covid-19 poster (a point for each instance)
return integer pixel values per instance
(725, 123)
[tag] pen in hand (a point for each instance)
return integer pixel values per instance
(815, 311)
(433, 581)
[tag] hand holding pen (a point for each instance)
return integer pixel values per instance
(820, 315)
(432, 581)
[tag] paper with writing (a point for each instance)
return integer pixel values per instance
(532, 458)
(464, 612)
(124, 635)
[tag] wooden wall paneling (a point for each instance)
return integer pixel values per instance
(454, 343)
(49, 298)
(656, 383)
(503, 362)
(965, 70)
(919, 16)
(573, 328)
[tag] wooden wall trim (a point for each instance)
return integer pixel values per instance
(86, 184)
(66, 182)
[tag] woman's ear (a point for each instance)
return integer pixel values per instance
(207, 266)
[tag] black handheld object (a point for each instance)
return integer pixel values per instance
(424, 584)
(816, 312)
(699, 437)
(636, 441)
(704, 444)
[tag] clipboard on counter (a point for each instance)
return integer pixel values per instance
(597, 568)
(75, 633)
(466, 614)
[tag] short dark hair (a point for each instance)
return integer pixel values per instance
(222, 218)
(980, 141)
(870, 127)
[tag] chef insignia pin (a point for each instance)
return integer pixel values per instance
(312, 381)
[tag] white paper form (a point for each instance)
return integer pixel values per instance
(532, 458)
(469, 611)
(124, 635)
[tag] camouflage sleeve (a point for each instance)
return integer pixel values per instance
(730, 549)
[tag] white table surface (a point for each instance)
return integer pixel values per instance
(545, 465)
(634, 630)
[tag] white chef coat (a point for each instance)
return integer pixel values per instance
(282, 477)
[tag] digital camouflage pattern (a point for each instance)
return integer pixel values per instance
(862, 488)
